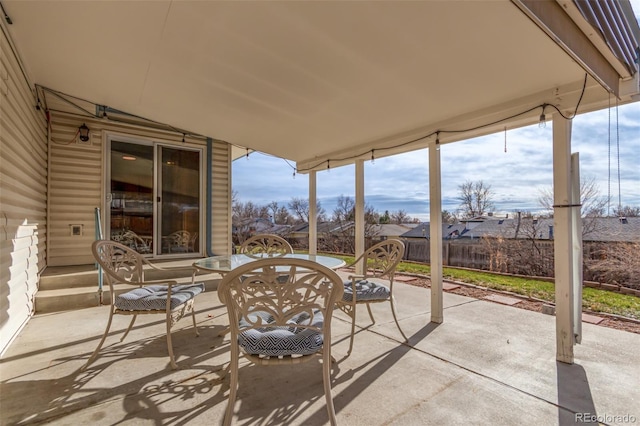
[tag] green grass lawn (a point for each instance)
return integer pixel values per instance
(595, 300)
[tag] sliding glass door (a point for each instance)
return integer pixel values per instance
(155, 198)
(179, 200)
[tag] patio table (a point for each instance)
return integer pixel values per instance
(225, 264)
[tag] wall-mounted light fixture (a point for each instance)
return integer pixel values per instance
(84, 132)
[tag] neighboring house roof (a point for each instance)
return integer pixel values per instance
(422, 230)
(615, 229)
(506, 228)
(322, 227)
(594, 229)
(261, 225)
(391, 229)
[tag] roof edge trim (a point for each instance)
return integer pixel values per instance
(558, 25)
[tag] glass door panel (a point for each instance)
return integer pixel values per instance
(179, 200)
(131, 210)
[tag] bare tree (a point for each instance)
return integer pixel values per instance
(385, 218)
(344, 216)
(345, 209)
(283, 217)
(273, 210)
(448, 217)
(627, 211)
(593, 204)
(300, 209)
(614, 263)
(400, 216)
(475, 198)
(243, 212)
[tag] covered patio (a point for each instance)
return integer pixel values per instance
(323, 84)
(488, 363)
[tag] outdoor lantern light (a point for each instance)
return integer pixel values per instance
(84, 132)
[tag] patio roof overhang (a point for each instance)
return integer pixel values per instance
(319, 81)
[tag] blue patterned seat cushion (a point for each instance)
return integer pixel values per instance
(281, 341)
(365, 290)
(154, 297)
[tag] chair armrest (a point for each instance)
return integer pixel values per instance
(169, 283)
(355, 278)
(188, 268)
(355, 262)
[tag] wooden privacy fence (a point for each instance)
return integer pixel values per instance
(475, 254)
(605, 262)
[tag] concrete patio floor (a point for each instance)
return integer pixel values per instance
(486, 364)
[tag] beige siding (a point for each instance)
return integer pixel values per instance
(23, 186)
(77, 184)
(75, 190)
(221, 199)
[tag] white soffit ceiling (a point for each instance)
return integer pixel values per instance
(299, 80)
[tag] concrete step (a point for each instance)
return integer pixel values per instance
(66, 277)
(61, 277)
(64, 288)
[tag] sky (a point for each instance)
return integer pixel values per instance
(609, 154)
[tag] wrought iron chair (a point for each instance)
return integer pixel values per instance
(179, 242)
(136, 242)
(123, 265)
(193, 243)
(380, 261)
(280, 312)
(266, 245)
(132, 240)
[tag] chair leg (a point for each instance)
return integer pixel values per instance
(353, 329)
(94, 355)
(193, 315)
(133, 320)
(233, 386)
(172, 358)
(373, 320)
(395, 318)
(326, 378)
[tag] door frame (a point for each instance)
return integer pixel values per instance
(110, 136)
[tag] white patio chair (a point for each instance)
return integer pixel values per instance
(123, 265)
(280, 312)
(268, 245)
(380, 261)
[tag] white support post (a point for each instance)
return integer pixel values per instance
(435, 230)
(313, 214)
(576, 235)
(359, 213)
(563, 238)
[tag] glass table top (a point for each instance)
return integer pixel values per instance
(224, 264)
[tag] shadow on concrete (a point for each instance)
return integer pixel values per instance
(375, 368)
(46, 399)
(575, 402)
